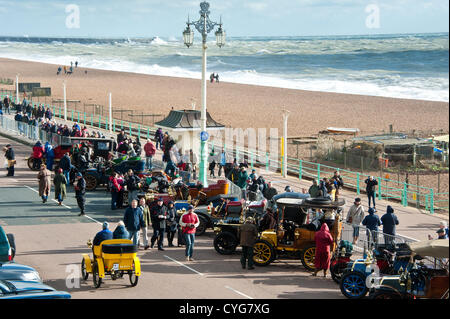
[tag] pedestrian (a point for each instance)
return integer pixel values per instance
(371, 185)
(134, 221)
(189, 222)
(443, 225)
(121, 232)
(222, 163)
(242, 181)
(133, 185)
(115, 188)
(38, 153)
(171, 223)
(121, 137)
(66, 166)
(44, 177)
(80, 192)
(372, 221)
(270, 191)
(212, 166)
(10, 159)
(158, 138)
(147, 220)
(49, 155)
(322, 258)
(104, 234)
(338, 183)
(158, 216)
(314, 189)
(60, 186)
(355, 216)
(253, 175)
(389, 221)
(442, 231)
(248, 233)
(150, 151)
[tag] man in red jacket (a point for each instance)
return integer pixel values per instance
(38, 153)
(149, 150)
(189, 222)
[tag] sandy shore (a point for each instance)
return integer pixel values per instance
(235, 105)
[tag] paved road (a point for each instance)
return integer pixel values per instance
(52, 238)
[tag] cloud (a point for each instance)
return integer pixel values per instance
(256, 6)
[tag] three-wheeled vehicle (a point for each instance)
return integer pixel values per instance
(293, 236)
(418, 280)
(114, 257)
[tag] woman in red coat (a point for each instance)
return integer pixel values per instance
(323, 242)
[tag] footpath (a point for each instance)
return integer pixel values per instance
(415, 224)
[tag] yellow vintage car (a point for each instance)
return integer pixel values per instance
(114, 257)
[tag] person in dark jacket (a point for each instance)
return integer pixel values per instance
(372, 221)
(270, 191)
(134, 221)
(133, 185)
(11, 158)
(80, 192)
(389, 221)
(104, 234)
(121, 137)
(121, 232)
(65, 165)
(158, 138)
(171, 222)
(159, 216)
(371, 187)
(248, 232)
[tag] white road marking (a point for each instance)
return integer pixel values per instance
(89, 217)
(238, 292)
(181, 264)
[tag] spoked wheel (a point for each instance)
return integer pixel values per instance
(96, 277)
(91, 182)
(133, 278)
(30, 164)
(308, 257)
(201, 229)
(225, 243)
(337, 270)
(353, 285)
(384, 295)
(263, 253)
(84, 273)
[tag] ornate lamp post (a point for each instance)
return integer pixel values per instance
(204, 26)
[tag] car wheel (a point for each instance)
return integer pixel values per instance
(225, 243)
(133, 278)
(308, 257)
(353, 285)
(30, 164)
(337, 270)
(84, 273)
(263, 253)
(91, 182)
(201, 229)
(95, 276)
(12, 244)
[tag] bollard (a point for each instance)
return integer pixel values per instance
(300, 169)
(78, 116)
(114, 125)
(267, 161)
(405, 195)
(251, 160)
(318, 172)
(84, 118)
(131, 131)
(431, 201)
(92, 119)
(358, 190)
(379, 188)
(99, 121)
(148, 133)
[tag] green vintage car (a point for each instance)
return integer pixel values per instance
(420, 280)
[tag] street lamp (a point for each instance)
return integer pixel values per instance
(204, 26)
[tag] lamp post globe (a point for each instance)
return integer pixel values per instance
(204, 26)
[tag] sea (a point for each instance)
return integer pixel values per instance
(411, 66)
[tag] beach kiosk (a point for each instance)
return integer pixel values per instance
(185, 127)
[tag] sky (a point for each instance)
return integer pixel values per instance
(166, 18)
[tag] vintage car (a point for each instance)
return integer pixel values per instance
(221, 187)
(293, 236)
(418, 280)
(18, 272)
(114, 257)
(10, 289)
(226, 228)
(7, 246)
(382, 259)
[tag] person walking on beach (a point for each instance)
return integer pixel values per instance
(60, 186)
(355, 216)
(389, 221)
(44, 177)
(371, 185)
(134, 221)
(323, 241)
(189, 223)
(372, 221)
(80, 192)
(248, 233)
(10, 158)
